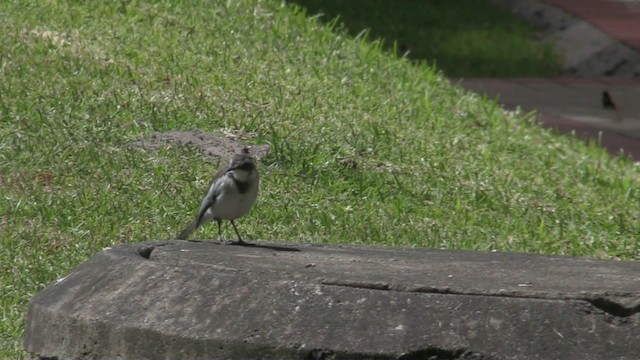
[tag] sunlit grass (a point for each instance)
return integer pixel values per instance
(434, 166)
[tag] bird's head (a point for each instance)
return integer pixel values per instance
(243, 165)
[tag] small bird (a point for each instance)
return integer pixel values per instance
(231, 195)
(607, 102)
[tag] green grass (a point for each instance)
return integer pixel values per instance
(464, 38)
(437, 167)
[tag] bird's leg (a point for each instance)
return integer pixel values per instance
(219, 221)
(239, 242)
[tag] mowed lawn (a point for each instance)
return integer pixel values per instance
(366, 147)
(463, 38)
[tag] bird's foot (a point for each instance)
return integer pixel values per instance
(239, 242)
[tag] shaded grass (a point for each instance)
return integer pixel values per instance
(463, 38)
(436, 167)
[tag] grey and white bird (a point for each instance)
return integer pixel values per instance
(231, 195)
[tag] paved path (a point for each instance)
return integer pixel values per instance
(575, 104)
(618, 18)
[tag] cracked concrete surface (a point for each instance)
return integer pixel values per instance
(180, 299)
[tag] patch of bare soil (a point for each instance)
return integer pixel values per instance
(217, 148)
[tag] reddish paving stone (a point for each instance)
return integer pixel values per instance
(611, 141)
(619, 19)
(573, 105)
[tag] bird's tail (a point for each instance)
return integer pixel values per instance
(184, 234)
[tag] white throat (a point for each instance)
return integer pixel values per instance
(241, 175)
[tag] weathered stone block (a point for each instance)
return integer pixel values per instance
(204, 300)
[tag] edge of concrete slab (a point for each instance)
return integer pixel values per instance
(586, 49)
(179, 299)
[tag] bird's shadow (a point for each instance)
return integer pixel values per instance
(253, 245)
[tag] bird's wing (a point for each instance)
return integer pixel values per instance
(217, 176)
(207, 202)
(212, 195)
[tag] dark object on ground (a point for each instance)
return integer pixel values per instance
(145, 251)
(607, 102)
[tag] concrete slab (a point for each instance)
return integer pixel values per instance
(197, 300)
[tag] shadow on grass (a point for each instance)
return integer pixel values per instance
(463, 38)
